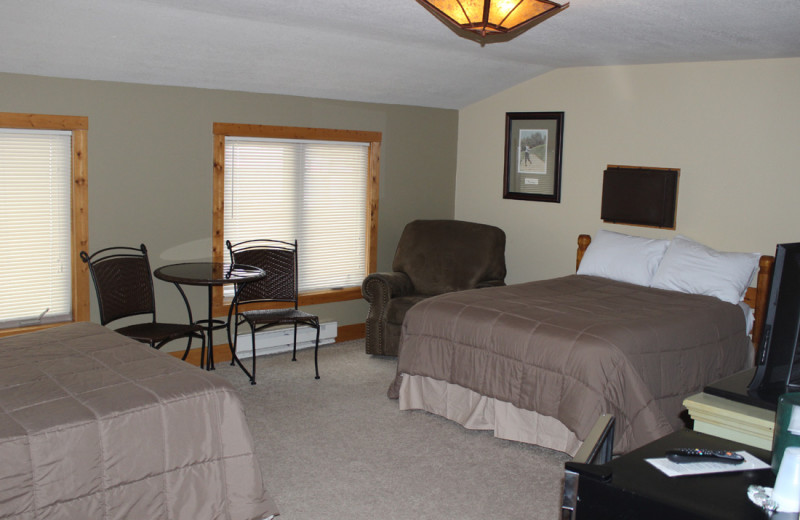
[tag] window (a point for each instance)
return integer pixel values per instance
(316, 186)
(43, 218)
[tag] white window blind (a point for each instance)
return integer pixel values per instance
(35, 250)
(314, 192)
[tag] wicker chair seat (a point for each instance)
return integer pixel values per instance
(158, 333)
(278, 316)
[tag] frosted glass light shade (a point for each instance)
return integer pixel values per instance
(489, 18)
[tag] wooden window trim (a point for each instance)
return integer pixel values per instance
(221, 130)
(79, 126)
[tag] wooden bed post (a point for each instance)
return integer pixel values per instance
(757, 297)
(583, 243)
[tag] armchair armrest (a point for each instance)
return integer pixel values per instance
(380, 287)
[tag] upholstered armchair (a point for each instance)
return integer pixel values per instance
(433, 257)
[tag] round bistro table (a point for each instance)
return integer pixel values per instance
(210, 274)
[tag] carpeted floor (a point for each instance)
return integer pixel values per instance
(337, 447)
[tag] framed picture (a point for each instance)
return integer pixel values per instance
(533, 156)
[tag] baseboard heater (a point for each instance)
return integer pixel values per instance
(275, 341)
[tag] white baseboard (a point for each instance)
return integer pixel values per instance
(274, 341)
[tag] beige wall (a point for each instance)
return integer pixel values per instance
(733, 129)
(150, 163)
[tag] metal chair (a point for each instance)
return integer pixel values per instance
(124, 285)
(279, 260)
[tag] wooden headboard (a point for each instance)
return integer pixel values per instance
(755, 297)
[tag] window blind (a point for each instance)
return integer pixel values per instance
(35, 252)
(311, 191)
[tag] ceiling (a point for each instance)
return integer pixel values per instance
(384, 51)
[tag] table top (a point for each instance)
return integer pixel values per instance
(209, 273)
(634, 481)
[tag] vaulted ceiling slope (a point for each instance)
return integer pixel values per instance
(384, 51)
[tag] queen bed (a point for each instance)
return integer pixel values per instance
(96, 425)
(643, 324)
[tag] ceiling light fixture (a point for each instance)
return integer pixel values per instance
(489, 21)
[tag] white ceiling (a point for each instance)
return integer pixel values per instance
(385, 51)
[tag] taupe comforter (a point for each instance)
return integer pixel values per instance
(578, 346)
(94, 425)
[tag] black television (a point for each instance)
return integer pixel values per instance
(778, 358)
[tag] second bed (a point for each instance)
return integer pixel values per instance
(538, 362)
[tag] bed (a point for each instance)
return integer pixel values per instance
(632, 334)
(97, 425)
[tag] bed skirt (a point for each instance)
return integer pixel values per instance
(478, 412)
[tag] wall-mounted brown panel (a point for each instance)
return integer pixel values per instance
(640, 196)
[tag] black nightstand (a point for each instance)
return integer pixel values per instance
(629, 487)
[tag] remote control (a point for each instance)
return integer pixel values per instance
(681, 455)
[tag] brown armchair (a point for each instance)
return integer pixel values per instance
(433, 257)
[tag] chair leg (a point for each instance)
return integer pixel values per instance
(236, 360)
(202, 341)
(203, 355)
(232, 341)
(294, 349)
(316, 349)
(188, 347)
(253, 338)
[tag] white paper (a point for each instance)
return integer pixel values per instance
(673, 469)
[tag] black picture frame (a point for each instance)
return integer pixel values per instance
(533, 156)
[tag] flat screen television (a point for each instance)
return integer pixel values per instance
(778, 358)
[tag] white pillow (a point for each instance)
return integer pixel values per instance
(693, 268)
(623, 257)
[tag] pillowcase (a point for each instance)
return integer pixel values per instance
(624, 258)
(693, 268)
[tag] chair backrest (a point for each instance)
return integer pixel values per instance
(450, 255)
(123, 281)
(278, 259)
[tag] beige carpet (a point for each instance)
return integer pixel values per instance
(337, 447)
